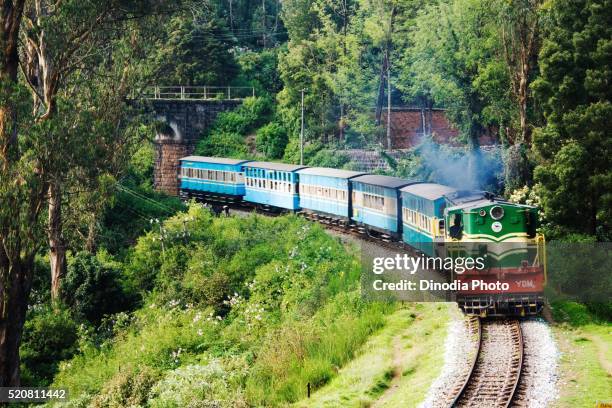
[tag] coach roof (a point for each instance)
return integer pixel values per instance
(327, 172)
(275, 166)
(430, 191)
(384, 181)
(213, 160)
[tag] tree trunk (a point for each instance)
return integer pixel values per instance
(263, 21)
(13, 309)
(341, 127)
(381, 90)
(522, 99)
(231, 16)
(16, 258)
(57, 249)
(90, 242)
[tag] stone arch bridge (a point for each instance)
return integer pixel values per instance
(185, 113)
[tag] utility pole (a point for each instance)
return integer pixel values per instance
(388, 104)
(263, 21)
(302, 131)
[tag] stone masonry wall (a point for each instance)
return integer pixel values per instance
(186, 121)
(167, 158)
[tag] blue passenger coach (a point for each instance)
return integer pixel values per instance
(423, 215)
(273, 184)
(376, 202)
(326, 190)
(211, 175)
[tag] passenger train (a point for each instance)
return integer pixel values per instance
(434, 219)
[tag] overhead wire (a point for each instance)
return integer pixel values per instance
(142, 197)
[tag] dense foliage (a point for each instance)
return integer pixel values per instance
(226, 138)
(575, 147)
(227, 320)
(272, 140)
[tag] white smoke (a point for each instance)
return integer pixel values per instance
(461, 168)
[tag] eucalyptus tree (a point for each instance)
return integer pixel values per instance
(43, 129)
(518, 22)
(518, 25)
(67, 46)
(21, 195)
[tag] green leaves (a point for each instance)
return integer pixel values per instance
(271, 140)
(574, 146)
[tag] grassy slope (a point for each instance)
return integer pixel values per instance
(314, 320)
(396, 366)
(585, 362)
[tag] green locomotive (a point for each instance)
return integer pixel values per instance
(505, 235)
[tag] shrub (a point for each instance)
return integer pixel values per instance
(93, 289)
(258, 109)
(220, 295)
(232, 122)
(128, 388)
(49, 336)
(251, 114)
(222, 144)
(129, 213)
(576, 314)
(329, 158)
(292, 151)
(196, 386)
(271, 140)
(143, 162)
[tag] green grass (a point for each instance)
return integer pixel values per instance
(298, 319)
(299, 354)
(585, 366)
(395, 366)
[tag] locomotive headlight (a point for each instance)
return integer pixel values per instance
(497, 213)
(482, 213)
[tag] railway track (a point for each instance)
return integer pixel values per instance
(496, 367)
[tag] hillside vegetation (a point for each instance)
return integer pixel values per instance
(235, 312)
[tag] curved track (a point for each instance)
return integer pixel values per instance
(496, 370)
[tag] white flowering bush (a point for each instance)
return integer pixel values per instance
(527, 195)
(194, 386)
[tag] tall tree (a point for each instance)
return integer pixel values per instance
(58, 39)
(195, 49)
(449, 53)
(574, 88)
(518, 22)
(62, 39)
(21, 194)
